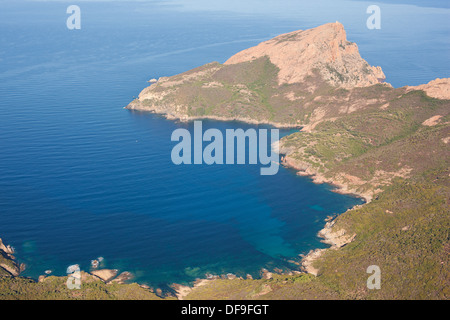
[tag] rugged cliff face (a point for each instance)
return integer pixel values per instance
(324, 49)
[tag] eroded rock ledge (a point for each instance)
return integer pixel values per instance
(8, 264)
(335, 238)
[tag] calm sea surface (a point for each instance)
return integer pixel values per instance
(81, 177)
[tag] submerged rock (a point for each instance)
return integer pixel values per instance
(94, 264)
(73, 268)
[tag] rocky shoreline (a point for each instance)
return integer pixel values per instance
(11, 267)
(8, 263)
(137, 106)
(336, 239)
(317, 177)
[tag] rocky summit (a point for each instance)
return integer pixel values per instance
(324, 49)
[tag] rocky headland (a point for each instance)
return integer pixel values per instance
(313, 79)
(264, 84)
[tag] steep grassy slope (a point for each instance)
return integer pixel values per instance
(364, 150)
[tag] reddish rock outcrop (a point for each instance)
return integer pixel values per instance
(438, 88)
(325, 49)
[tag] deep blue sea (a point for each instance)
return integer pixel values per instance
(81, 177)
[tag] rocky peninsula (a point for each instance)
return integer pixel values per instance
(313, 79)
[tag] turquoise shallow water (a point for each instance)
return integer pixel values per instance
(81, 177)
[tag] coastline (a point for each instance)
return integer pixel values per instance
(318, 178)
(13, 268)
(185, 118)
(336, 239)
(182, 291)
